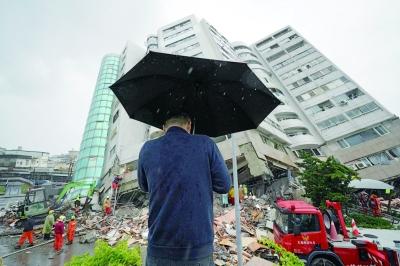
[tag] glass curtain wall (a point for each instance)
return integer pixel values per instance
(91, 155)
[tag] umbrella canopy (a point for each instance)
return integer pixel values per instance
(369, 184)
(221, 97)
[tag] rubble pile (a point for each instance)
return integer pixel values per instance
(128, 223)
(255, 223)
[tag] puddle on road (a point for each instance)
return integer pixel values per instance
(40, 256)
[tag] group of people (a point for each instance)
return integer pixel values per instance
(243, 194)
(370, 202)
(50, 225)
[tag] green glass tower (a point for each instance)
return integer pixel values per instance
(91, 155)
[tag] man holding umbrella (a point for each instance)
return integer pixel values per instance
(180, 171)
(222, 98)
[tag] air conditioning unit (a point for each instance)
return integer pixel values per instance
(361, 165)
(343, 103)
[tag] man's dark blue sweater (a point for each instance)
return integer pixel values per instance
(180, 171)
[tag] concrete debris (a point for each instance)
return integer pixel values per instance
(256, 261)
(89, 237)
(130, 223)
(255, 223)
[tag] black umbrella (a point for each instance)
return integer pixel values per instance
(222, 97)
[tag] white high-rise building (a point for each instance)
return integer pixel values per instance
(323, 111)
(263, 154)
(352, 125)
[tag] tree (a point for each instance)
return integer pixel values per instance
(325, 180)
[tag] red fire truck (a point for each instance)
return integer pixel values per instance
(304, 230)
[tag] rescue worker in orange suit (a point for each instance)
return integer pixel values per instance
(107, 206)
(71, 230)
(375, 204)
(59, 232)
(28, 232)
(231, 196)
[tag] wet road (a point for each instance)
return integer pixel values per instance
(40, 256)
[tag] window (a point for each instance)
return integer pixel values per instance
(276, 56)
(379, 158)
(277, 35)
(295, 46)
(286, 221)
(322, 72)
(180, 25)
(321, 107)
(331, 122)
(362, 110)
(348, 96)
(178, 33)
(319, 90)
(115, 117)
(363, 136)
(301, 82)
(190, 47)
(381, 130)
(274, 46)
(293, 59)
(314, 152)
(188, 38)
(262, 43)
(395, 152)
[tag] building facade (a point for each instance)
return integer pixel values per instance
(263, 154)
(344, 119)
(91, 155)
(36, 166)
(323, 111)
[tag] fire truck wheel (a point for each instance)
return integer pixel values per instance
(319, 261)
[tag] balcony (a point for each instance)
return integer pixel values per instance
(281, 110)
(292, 123)
(304, 141)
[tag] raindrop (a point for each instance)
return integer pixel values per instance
(220, 64)
(170, 94)
(242, 98)
(215, 74)
(224, 93)
(158, 110)
(190, 70)
(184, 97)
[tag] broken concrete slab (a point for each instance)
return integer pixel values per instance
(254, 246)
(89, 237)
(246, 241)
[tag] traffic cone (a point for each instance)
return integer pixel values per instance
(333, 233)
(354, 229)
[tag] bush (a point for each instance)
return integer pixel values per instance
(105, 255)
(286, 258)
(366, 221)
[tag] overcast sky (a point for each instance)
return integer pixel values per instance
(50, 51)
